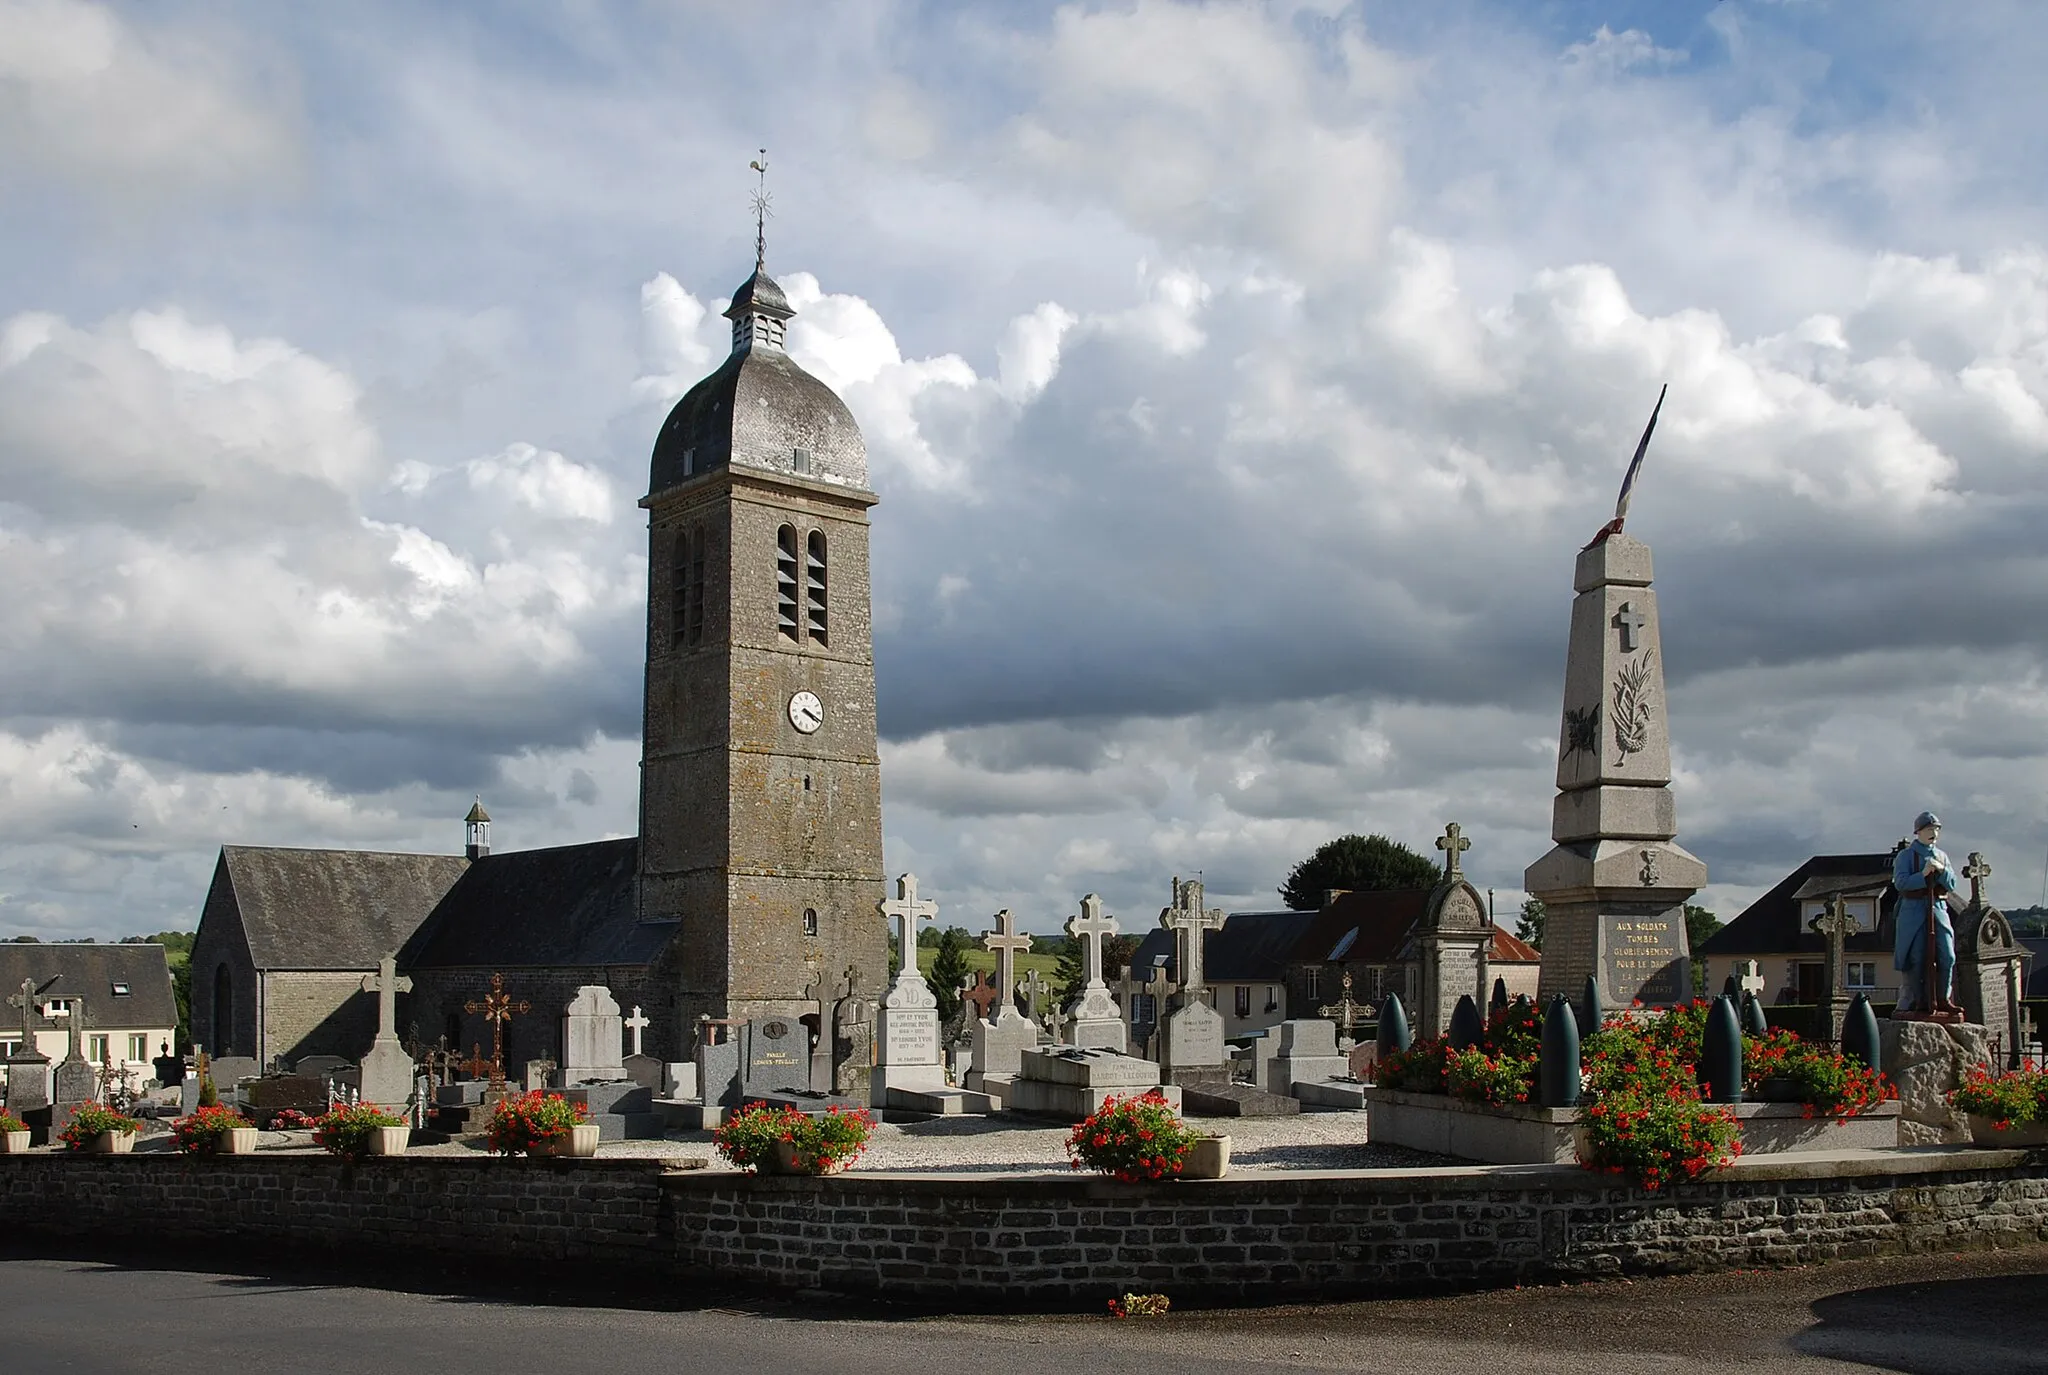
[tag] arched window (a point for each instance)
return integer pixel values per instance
(814, 577)
(223, 1012)
(810, 921)
(785, 582)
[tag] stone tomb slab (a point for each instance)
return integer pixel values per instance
(1342, 1094)
(1236, 1100)
(593, 1033)
(1069, 1083)
(1192, 1048)
(622, 1111)
(778, 1057)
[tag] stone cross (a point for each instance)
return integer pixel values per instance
(497, 1008)
(636, 1024)
(1089, 928)
(1453, 843)
(1976, 871)
(1056, 1023)
(1006, 943)
(387, 983)
(26, 1001)
(1631, 623)
(908, 912)
(1344, 1010)
(1751, 979)
(1158, 990)
(1188, 920)
(77, 1030)
(1834, 925)
(1033, 989)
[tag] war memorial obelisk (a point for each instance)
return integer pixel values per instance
(1615, 886)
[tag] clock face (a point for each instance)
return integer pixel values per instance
(806, 712)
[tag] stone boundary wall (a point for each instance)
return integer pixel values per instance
(984, 1242)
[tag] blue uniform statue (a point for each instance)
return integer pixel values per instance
(1922, 874)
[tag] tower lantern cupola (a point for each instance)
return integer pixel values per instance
(479, 823)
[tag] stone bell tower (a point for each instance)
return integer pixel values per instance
(760, 787)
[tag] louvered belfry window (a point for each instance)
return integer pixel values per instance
(814, 575)
(785, 582)
(686, 589)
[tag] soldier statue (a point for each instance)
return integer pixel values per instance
(1924, 877)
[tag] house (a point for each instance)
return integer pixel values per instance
(1244, 962)
(121, 993)
(1774, 931)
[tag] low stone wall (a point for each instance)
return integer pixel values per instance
(979, 1241)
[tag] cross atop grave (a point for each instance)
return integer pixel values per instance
(1056, 1023)
(1188, 920)
(636, 1024)
(1835, 926)
(77, 1030)
(908, 912)
(387, 983)
(1033, 989)
(1630, 622)
(497, 1008)
(1976, 871)
(1344, 1010)
(1007, 943)
(26, 1001)
(1749, 977)
(1090, 928)
(1453, 842)
(1158, 989)
(476, 1066)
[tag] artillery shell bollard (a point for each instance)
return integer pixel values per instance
(1859, 1033)
(1590, 1010)
(1394, 1033)
(1754, 1023)
(1557, 1071)
(1721, 1054)
(1466, 1029)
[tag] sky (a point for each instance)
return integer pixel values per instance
(1239, 381)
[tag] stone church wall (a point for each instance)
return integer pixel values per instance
(436, 1008)
(317, 1012)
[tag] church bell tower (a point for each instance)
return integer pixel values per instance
(760, 786)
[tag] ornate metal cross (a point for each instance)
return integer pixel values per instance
(636, 1024)
(908, 912)
(1453, 843)
(1007, 943)
(1631, 623)
(1344, 1010)
(497, 1008)
(1189, 921)
(476, 1066)
(1976, 871)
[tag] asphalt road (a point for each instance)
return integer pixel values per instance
(1980, 1314)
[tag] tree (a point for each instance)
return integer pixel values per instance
(949, 971)
(1371, 864)
(1700, 923)
(178, 954)
(1529, 926)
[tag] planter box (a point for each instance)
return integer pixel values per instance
(15, 1143)
(782, 1160)
(1984, 1132)
(389, 1140)
(1208, 1158)
(237, 1141)
(579, 1144)
(1543, 1136)
(111, 1143)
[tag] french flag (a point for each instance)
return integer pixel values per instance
(1628, 482)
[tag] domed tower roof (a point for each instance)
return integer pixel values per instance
(759, 409)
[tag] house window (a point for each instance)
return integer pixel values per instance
(57, 1007)
(785, 582)
(1312, 984)
(138, 1045)
(120, 990)
(814, 573)
(1374, 981)
(1862, 974)
(810, 921)
(1141, 1009)
(10, 1049)
(96, 1048)
(1272, 998)
(1244, 1000)
(800, 459)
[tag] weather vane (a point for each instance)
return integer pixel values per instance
(762, 211)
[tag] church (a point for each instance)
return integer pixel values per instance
(752, 889)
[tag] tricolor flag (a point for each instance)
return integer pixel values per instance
(1628, 482)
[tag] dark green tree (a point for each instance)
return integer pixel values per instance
(1529, 926)
(1700, 923)
(178, 954)
(949, 971)
(1371, 863)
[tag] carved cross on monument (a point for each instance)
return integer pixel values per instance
(497, 1008)
(1006, 943)
(387, 983)
(635, 1025)
(1344, 1010)
(1188, 921)
(1453, 842)
(1630, 622)
(1976, 871)
(908, 912)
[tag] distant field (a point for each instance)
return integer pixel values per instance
(982, 961)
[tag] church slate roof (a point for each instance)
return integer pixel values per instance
(1367, 928)
(91, 972)
(1771, 924)
(573, 905)
(1252, 947)
(332, 909)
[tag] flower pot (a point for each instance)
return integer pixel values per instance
(389, 1140)
(111, 1143)
(14, 1143)
(237, 1141)
(1208, 1158)
(580, 1143)
(1984, 1132)
(782, 1160)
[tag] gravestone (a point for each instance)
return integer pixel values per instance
(1070, 1083)
(1616, 883)
(1304, 1050)
(777, 1057)
(1093, 1020)
(169, 1068)
(387, 1072)
(907, 1027)
(1451, 942)
(998, 1045)
(647, 1071)
(75, 1082)
(1191, 1038)
(1834, 925)
(540, 1074)
(592, 1034)
(718, 1072)
(853, 1041)
(1990, 971)
(28, 1070)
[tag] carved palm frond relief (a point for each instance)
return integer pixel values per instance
(1632, 705)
